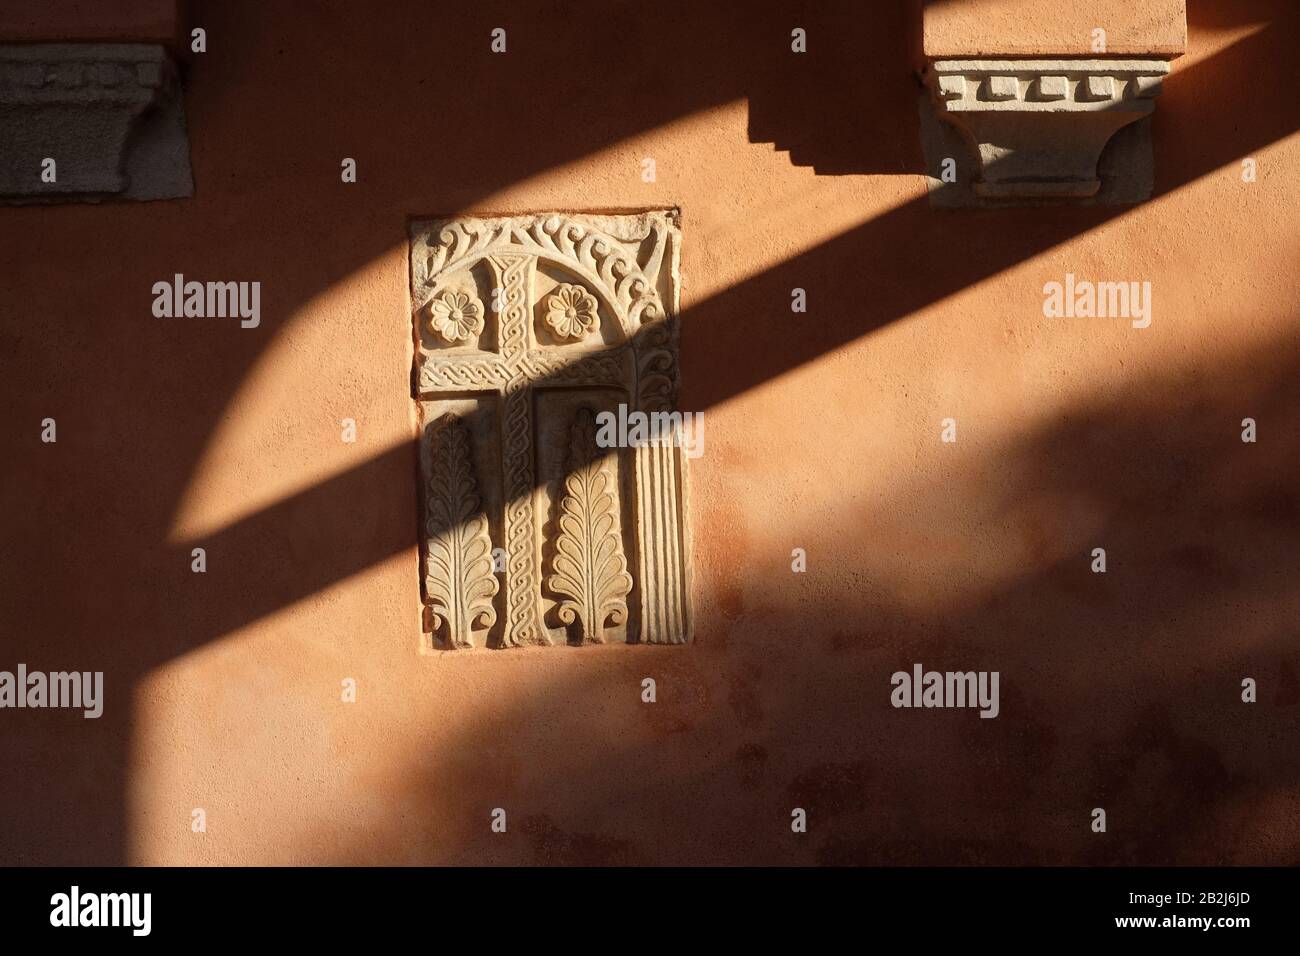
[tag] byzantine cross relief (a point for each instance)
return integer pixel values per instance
(527, 328)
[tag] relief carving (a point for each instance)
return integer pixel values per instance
(571, 312)
(582, 320)
(458, 553)
(456, 316)
(589, 569)
(111, 115)
(1040, 129)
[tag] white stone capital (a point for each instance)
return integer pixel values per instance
(1039, 125)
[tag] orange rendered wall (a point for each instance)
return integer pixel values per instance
(955, 28)
(100, 21)
(1119, 690)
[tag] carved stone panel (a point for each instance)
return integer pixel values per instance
(528, 329)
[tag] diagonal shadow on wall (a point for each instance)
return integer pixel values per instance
(1199, 128)
(1120, 690)
(893, 244)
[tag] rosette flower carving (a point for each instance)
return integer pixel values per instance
(456, 316)
(572, 312)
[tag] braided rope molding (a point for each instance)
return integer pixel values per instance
(523, 614)
(534, 368)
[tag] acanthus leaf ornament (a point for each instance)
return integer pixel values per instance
(588, 569)
(459, 578)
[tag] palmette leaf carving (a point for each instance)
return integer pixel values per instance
(589, 570)
(459, 578)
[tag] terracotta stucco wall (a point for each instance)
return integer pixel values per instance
(62, 21)
(1037, 27)
(1118, 690)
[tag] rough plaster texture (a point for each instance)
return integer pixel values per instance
(223, 689)
(118, 21)
(970, 28)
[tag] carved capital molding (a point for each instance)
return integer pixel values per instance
(1040, 126)
(109, 116)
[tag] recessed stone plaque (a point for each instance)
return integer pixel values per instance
(529, 329)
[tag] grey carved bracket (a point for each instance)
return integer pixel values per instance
(110, 116)
(1039, 128)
